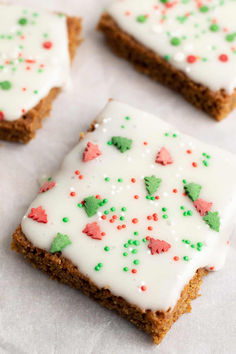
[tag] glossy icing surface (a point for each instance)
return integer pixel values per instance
(34, 58)
(197, 37)
(119, 243)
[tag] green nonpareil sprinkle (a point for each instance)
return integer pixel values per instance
(106, 248)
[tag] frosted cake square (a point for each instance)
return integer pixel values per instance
(36, 48)
(189, 46)
(135, 216)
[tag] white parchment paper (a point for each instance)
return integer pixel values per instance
(38, 315)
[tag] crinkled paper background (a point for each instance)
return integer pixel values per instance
(39, 316)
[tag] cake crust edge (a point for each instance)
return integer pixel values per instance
(216, 104)
(60, 268)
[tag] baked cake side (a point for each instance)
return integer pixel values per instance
(136, 211)
(24, 129)
(57, 267)
(217, 103)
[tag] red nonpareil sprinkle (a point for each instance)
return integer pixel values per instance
(134, 271)
(212, 268)
(103, 233)
(93, 230)
(1, 116)
(223, 57)
(194, 164)
(143, 288)
(24, 89)
(38, 214)
(47, 45)
(81, 176)
(28, 68)
(23, 110)
(155, 217)
(191, 59)
(123, 226)
(149, 217)
(175, 258)
(103, 217)
(72, 194)
(134, 220)
(136, 196)
(157, 197)
(77, 172)
(30, 61)
(47, 186)
(119, 227)
(145, 143)
(133, 180)
(98, 196)
(147, 238)
(150, 228)
(91, 152)
(112, 220)
(114, 217)
(188, 151)
(175, 190)
(158, 246)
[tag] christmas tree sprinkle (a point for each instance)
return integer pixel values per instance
(152, 184)
(121, 143)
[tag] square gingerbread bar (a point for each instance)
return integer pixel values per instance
(188, 46)
(137, 214)
(36, 49)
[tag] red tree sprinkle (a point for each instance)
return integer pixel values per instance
(158, 246)
(93, 230)
(91, 152)
(164, 157)
(202, 206)
(47, 186)
(38, 214)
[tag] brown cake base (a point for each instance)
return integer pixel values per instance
(58, 267)
(216, 104)
(23, 129)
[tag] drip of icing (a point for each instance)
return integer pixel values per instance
(198, 38)
(129, 217)
(34, 58)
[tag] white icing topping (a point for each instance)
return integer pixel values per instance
(163, 277)
(34, 58)
(205, 30)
